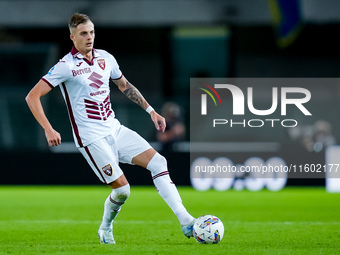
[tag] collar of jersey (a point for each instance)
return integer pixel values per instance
(76, 54)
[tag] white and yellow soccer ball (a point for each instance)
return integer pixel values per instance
(208, 229)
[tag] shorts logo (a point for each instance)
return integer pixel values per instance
(107, 170)
(101, 63)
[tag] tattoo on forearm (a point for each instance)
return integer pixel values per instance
(133, 93)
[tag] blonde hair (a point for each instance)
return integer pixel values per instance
(77, 19)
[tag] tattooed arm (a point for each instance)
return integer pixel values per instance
(133, 93)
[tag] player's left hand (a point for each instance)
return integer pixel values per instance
(158, 120)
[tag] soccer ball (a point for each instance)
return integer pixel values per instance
(208, 229)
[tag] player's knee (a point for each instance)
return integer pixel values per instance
(122, 193)
(157, 164)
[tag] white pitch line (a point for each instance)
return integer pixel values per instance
(85, 221)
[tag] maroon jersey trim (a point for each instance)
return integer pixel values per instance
(70, 113)
(48, 83)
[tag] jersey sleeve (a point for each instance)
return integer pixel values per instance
(116, 73)
(57, 74)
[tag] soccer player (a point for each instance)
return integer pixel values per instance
(83, 77)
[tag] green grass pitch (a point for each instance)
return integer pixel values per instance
(65, 220)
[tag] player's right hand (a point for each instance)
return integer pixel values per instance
(53, 137)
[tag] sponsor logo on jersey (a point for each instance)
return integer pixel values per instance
(101, 63)
(79, 64)
(107, 170)
(97, 93)
(81, 71)
(96, 82)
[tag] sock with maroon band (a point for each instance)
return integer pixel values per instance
(113, 204)
(167, 189)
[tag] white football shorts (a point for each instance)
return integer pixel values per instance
(105, 154)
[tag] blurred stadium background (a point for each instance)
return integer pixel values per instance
(159, 45)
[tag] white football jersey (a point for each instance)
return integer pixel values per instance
(85, 88)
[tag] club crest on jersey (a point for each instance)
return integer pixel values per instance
(101, 63)
(107, 170)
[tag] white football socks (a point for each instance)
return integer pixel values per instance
(167, 189)
(113, 204)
